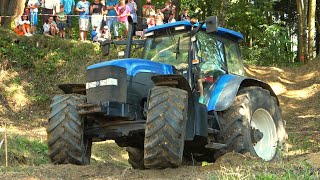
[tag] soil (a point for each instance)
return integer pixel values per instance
(298, 89)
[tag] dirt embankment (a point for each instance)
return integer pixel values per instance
(298, 89)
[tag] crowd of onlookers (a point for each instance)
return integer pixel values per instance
(106, 17)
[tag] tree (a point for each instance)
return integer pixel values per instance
(300, 30)
(12, 8)
(311, 27)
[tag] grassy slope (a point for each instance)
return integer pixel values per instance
(30, 72)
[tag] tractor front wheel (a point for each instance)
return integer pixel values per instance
(165, 127)
(66, 141)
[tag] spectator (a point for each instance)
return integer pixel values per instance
(159, 17)
(68, 6)
(112, 19)
(105, 35)
(50, 27)
(151, 20)
(23, 26)
(96, 12)
(133, 10)
(185, 16)
(83, 8)
(49, 8)
(148, 8)
(94, 34)
(61, 21)
(123, 11)
(33, 5)
(171, 19)
(168, 10)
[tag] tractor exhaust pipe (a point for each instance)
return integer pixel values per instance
(130, 36)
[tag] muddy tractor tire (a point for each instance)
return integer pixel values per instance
(165, 127)
(66, 141)
(135, 157)
(253, 124)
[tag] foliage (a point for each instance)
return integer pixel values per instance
(25, 151)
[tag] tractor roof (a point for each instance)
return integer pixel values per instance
(221, 31)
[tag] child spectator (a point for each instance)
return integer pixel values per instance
(168, 10)
(94, 34)
(50, 27)
(171, 19)
(185, 16)
(23, 26)
(33, 5)
(133, 10)
(123, 11)
(159, 17)
(151, 21)
(68, 6)
(106, 35)
(61, 22)
(96, 12)
(148, 8)
(83, 7)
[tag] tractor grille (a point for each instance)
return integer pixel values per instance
(107, 83)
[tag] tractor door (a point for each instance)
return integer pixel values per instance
(212, 65)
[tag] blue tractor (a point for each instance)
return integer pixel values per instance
(185, 99)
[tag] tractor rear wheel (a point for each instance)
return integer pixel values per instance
(165, 127)
(66, 141)
(253, 124)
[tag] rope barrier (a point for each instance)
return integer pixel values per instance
(76, 15)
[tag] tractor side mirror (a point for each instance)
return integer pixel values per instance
(212, 24)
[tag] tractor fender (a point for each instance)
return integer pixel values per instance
(225, 90)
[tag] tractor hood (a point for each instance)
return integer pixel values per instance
(134, 66)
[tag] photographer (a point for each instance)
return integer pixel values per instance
(168, 10)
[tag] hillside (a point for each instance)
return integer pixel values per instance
(31, 69)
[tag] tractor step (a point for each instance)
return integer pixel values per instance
(213, 131)
(215, 145)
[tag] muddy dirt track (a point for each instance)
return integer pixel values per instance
(298, 89)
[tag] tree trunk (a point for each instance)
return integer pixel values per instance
(305, 31)
(13, 8)
(300, 31)
(311, 27)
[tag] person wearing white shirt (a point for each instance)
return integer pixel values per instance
(49, 7)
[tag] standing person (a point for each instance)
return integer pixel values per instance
(61, 21)
(159, 17)
(148, 9)
(83, 7)
(96, 12)
(49, 8)
(68, 6)
(168, 10)
(33, 5)
(185, 16)
(112, 19)
(133, 10)
(123, 11)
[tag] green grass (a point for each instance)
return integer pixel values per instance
(24, 151)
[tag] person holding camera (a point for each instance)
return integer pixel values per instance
(112, 19)
(168, 10)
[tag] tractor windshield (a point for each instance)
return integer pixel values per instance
(169, 48)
